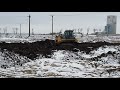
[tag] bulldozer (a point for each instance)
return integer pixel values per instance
(67, 38)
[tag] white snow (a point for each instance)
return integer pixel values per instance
(92, 38)
(65, 64)
(60, 67)
(105, 50)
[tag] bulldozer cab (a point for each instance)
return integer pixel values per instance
(68, 34)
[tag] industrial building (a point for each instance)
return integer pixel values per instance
(110, 28)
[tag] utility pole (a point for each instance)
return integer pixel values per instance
(52, 26)
(29, 24)
(20, 30)
(0, 32)
(107, 30)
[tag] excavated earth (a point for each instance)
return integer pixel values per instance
(45, 48)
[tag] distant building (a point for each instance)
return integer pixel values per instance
(110, 28)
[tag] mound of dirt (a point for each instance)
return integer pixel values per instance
(45, 48)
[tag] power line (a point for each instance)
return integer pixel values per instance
(20, 30)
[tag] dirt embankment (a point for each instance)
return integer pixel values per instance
(33, 50)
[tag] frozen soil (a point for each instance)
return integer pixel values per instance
(103, 62)
(44, 59)
(45, 48)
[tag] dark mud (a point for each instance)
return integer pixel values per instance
(45, 48)
(104, 55)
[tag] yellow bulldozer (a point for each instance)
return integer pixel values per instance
(67, 37)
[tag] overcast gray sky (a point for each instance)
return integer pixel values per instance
(41, 21)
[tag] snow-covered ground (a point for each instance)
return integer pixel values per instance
(93, 38)
(66, 64)
(25, 38)
(33, 38)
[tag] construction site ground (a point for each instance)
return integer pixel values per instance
(45, 48)
(40, 57)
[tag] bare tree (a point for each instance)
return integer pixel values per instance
(99, 30)
(94, 30)
(5, 30)
(87, 31)
(32, 31)
(78, 30)
(16, 30)
(81, 30)
(0, 31)
(61, 31)
(13, 31)
(75, 30)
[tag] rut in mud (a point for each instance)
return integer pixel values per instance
(45, 48)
